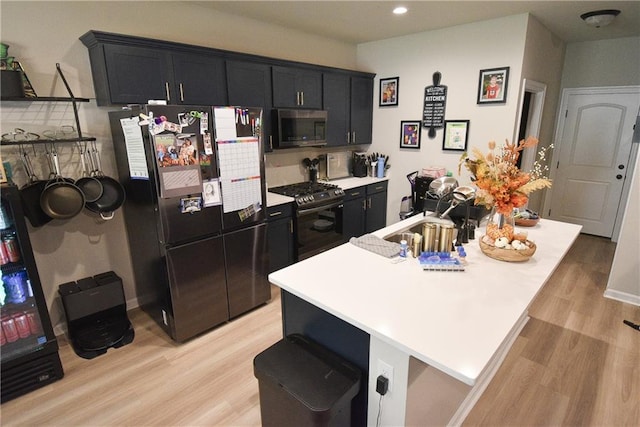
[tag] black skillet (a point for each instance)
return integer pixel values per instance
(30, 194)
(113, 194)
(61, 198)
(90, 186)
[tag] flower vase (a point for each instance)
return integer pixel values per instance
(499, 242)
(500, 225)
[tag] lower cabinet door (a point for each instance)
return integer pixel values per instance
(197, 287)
(247, 265)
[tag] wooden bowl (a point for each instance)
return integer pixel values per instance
(510, 255)
(527, 222)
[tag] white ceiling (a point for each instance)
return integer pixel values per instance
(364, 21)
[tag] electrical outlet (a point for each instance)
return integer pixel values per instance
(385, 370)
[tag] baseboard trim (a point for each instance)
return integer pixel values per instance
(622, 296)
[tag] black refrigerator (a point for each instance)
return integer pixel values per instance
(28, 346)
(194, 212)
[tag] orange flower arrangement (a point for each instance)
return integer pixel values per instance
(501, 184)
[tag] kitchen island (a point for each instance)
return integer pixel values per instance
(444, 334)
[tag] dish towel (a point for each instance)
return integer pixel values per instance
(376, 245)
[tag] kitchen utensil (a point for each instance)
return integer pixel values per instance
(442, 186)
(113, 194)
(90, 186)
(30, 193)
(61, 198)
(460, 195)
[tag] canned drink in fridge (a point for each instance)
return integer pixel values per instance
(34, 322)
(9, 329)
(11, 245)
(22, 324)
(4, 255)
(3, 339)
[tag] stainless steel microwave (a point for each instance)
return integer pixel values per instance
(300, 128)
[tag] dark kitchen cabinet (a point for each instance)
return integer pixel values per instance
(361, 110)
(376, 209)
(364, 210)
(133, 73)
(296, 88)
(249, 83)
(349, 101)
(353, 213)
(281, 236)
(199, 80)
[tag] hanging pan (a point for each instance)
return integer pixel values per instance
(61, 198)
(30, 193)
(113, 194)
(90, 186)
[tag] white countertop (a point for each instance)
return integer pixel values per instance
(454, 321)
(274, 199)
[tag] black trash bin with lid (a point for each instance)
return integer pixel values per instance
(303, 384)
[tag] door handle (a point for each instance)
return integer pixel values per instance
(618, 176)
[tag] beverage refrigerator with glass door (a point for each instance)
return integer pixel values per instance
(28, 346)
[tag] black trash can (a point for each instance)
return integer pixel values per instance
(303, 384)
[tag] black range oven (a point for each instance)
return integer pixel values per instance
(318, 207)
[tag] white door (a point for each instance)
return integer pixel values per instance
(591, 156)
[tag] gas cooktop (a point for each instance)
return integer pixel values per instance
(311, 194)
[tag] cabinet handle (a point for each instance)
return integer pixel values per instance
(270, 143)
(369, 203)
(166, 89)
(301, 98)
(272, 214)
(356, 193)
(364, 205)
(354, 137)
(181, 93)
(348, 137)
(291, 226)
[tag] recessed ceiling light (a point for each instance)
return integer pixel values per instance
(400, 10)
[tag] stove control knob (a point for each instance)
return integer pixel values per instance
(311, 198)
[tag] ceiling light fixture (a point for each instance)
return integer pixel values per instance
(400, 10)
(600, 18)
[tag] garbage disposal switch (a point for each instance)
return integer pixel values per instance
(303, 384)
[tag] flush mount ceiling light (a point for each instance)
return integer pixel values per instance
(400, 10)
(600, 18)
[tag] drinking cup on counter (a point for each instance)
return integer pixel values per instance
(446, 238)
(429, 233)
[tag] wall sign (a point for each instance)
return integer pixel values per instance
(435, 101)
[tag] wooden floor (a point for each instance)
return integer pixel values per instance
(574, 364)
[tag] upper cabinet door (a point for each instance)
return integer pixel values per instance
(137, 74)
(361, 110)
(296, 88)
(335, 88)
(249, 85)
(199, 79)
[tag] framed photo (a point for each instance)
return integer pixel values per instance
(492, 88)
(456, 135)
(389, 91)
(410, 134)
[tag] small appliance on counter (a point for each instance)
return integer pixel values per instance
(360, 166)
(338, 165)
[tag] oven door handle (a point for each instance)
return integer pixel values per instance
(301, 212)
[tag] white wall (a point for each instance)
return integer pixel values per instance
(459, 53)
(40, 34)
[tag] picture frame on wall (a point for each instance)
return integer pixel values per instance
(389, 91)
(493, 84)
(410, 134)
(456, 135)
